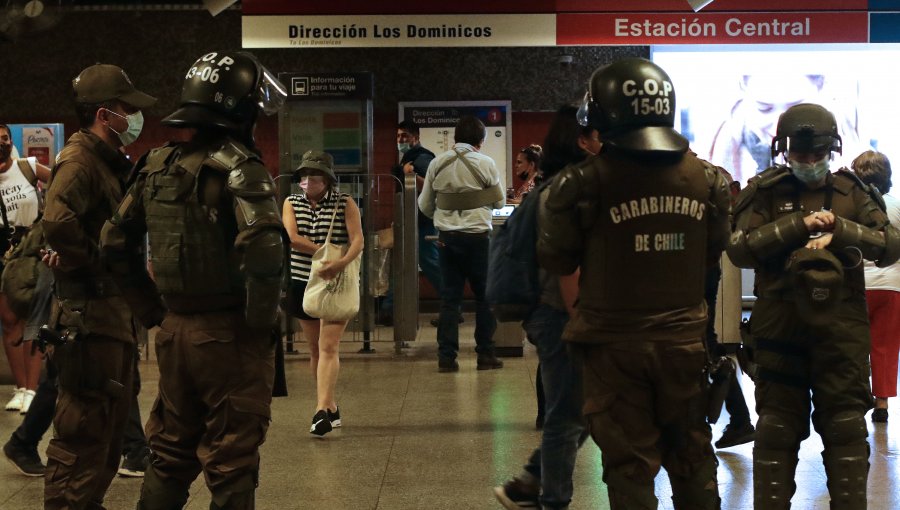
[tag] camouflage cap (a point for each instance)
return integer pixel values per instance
(317, 160)
(818, 279)
(105, 82)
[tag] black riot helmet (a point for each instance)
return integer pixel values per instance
(806, 127)
(631, 103)
(227, 90)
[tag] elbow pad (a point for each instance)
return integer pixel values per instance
(784, 234)
(738, 251)
(559, 241)
(263, 263)
(885, 250)
(554, 261)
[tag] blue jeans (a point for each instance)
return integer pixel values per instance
(464, 257)
(564, 429)
(428, 261)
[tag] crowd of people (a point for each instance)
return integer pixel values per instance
(631, 228)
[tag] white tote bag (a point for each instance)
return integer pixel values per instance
(336, 299)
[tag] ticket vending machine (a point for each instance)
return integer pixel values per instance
(332, 112)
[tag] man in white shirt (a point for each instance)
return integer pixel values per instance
(461, 187)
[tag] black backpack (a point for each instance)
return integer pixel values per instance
(513, 289)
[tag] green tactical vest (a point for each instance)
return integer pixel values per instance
(190, 222)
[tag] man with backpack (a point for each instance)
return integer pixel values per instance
(641, 221)
(546, 479)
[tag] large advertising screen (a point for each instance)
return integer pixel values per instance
(729, 98)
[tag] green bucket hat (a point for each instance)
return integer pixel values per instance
(316, 160)
(818, 278)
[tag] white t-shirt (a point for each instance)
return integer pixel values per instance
(19, 196)
(886, 278)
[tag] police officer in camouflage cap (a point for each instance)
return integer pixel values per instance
(809, 325)
(208, 207)
(643, 219)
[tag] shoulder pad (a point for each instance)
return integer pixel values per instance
(251, 179)
(771, 176)
(232, 155)
(845, 181)
(745, 197)
(568, 186)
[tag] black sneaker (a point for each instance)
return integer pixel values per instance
(880, 415)
(335, 417)
(321, 425)
(488, 362)
(735, 435)
(135, 463)
(25, 460)
(448, 365)
(516, 494)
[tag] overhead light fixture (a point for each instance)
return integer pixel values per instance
(699, 4)
(216, 6)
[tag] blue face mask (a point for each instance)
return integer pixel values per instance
(403, 147)
(810, 173)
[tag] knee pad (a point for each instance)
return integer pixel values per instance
(844, 428)
(777, 432)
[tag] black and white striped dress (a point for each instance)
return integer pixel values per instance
(313, 224)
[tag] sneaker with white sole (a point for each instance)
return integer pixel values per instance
(135, 463)
(18, 398)
(321, 425)
(25, 459)
(335, 417)
(517, 494)
(27, 398)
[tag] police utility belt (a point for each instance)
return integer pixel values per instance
(466, 200)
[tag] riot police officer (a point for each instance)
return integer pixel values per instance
(804, 230)
(208, 206)
(643, 219)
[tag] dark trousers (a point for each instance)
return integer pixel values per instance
(645, 407)
(735, 403)
(212, 411)
(39, 416)
(134, 441)
(464, 258)
(83, 456)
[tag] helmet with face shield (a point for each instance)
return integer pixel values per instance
(227, 90)
(631, 103)
(806, 128)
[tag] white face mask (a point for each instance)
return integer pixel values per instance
(135, 124)
(403, 147)
(810, 173)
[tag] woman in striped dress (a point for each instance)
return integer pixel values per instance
(307, 217)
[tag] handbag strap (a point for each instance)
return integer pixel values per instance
(333, 216)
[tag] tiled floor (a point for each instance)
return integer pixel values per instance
(414, 438)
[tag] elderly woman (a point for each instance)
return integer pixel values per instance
(882, 291)
(307, 218)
